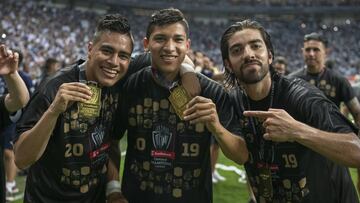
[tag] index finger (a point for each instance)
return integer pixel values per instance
(258, 114)
(197, 99)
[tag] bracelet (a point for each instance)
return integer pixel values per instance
(186, 68)
(112, 187)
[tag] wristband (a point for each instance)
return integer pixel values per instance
(112, 187)
(186, 68)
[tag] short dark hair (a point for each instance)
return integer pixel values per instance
(49, 62)
(317, 37)
(113, 23)
(230, 78)
(281, 60)
(166, 17)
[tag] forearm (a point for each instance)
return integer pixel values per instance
(114, 161)
(341, 148)
(233, 147)
(32, 143)
(18, 94)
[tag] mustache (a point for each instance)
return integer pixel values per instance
(251, 61)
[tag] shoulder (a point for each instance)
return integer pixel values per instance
(65, 75)
(138, 78)
(334, 75)
(296, 90)
(297, 73)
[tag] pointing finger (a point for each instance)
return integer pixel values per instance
(258, 114)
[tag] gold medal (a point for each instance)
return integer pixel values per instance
(265, 183)
(178, 99)
(91, 108)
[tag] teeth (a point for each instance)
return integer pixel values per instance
(168, 57)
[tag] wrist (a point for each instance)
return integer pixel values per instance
(113, 186)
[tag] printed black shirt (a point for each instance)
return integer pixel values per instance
(332, 84)
(298, 173)
(73, 167)
(167, 159)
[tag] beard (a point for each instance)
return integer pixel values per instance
(252, 77)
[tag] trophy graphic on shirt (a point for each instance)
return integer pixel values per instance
(161, 137)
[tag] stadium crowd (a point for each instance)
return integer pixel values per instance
(42, 31)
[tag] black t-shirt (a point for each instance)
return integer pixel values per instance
(73, 167)
(167, 159)
(334, 86)
(298, 173)
(4, 120)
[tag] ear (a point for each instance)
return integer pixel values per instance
(146, 44)
(270, 57)
(228, 65)
(303, 50)
(327, 51)
(188, 44)
(90, 47)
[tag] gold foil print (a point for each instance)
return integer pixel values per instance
(156, 106)
(199, 127)
(302, 183)
(178, 171)
(164, 104)
(177, 192)
(66, 127)
(74, 115)
(76, 182)
(143, 185)
(66, 171)
(287, 183)
(197, 173)
(132, 121)
(139, 109)
(84, 188)
(147, 102)
(85, 170)
(146, 166)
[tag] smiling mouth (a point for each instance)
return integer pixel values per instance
(110, 72)
(168, 57)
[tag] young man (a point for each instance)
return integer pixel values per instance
(65, 133)
(336, 87)
(168, 159)
(296, 137)
(16, 98)
(280, 65)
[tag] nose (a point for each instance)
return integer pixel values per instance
(311, 52)
(114, 59)
(249, 52)
(169, 45)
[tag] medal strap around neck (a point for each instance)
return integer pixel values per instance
(162, 81)
(263, 144)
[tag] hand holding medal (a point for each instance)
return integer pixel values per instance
(91, 108)
(69, 93)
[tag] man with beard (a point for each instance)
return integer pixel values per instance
(336, 87)
(298, 141)
(168, 158)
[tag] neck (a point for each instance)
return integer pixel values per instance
(260, 89)
(87, 73)
(314, 70)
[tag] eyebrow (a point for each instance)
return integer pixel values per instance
(250, 42)
(112, 48)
